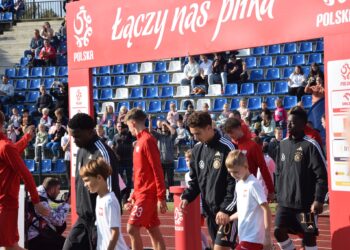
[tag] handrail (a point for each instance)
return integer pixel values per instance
(42, 10)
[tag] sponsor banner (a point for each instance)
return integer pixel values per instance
(134, 31)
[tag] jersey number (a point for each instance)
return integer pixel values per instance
(136, 211)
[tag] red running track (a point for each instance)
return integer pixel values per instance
(167, 228)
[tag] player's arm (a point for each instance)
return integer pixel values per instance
(193, 190)
(114, 238)
(229, 203)
(267, 222)
(234, 216)
(258, 155)
(23, 142)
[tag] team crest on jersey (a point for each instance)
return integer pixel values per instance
(217, 160)
(283, 157)
(298, 156)
(201, 164)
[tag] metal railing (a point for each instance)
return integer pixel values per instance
(43, 9)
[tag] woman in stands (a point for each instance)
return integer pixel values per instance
(316, 89)
(108, 115)
(296, 83)
(315, 71)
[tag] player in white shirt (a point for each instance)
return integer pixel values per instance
(253, 212)
(108, 216)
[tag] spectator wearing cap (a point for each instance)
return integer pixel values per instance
(7, 91)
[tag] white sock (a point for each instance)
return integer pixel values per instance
(286, 245)
(310, 248)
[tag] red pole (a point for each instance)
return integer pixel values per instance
(187, 223)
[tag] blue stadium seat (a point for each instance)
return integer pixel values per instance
(155, 106)
(305, 70)
(62, 71)
(280, 88)
(46, 166)
(167, 92)
(181, 166)
(315, 58)
(247, 89)
(23, 72)
(250, 62)
(167, 105)
(272, 74)
(105, 70)
(163, 79)
(231, 89)
(160, 67)
(258, 51)
(105, 81)
(287, 72)
(32, 108)
(7, 17)
(118, 69)
(136, 93)
(34, 84)
(282, 61)
(61, 60)
(257, 75)
(106, 94)
(120, 104)
(219, 104)
(21, 94)
(95, 94)
(50, 72)
(132, 68)
(152, 92)
(10, 73)
(140, 104)
(30, 163)
(23, 62)
(235, 103)
(36, 72)
(289, 102)
(274, 49)
(94, 81)
(60, 167)
(305, 47)
(48, 82)
(266, 61)
(119, 81)
(254, 103)
(307, 101)
(264, 88)
(270, 102)
(94, 71)
(21, 84)
(298, 59)
(290, 48)
(148, 79)
(32, 96)
(319, 46)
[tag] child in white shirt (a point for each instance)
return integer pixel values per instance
(108, 216)
(253, 212)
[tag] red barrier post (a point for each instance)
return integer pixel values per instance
(187, 223)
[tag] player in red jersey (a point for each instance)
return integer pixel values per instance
(149, 187)
(12, 169)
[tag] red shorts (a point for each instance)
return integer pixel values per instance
(249, 246)
(144, 213)
(8, 227)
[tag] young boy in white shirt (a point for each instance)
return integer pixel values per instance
(108, 216)
(253, 212)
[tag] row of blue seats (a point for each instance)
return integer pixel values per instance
(131, 68)
(6, 17)
(25, 72)
(289, 48)
(34, 84)
(47, 166)
(283, 60)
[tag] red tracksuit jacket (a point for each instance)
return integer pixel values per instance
(12, 169)
(148, 172)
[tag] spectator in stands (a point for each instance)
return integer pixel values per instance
(47, 55)
(108, 115)
(219, 70)
(100, 131)
(46, 232)
(19, 8)
(173, 115)
(47, 32)
(44, 100)
(60, 117)
(27, 116)
(234, 69)
(280, 115)
(243, 109)
(36, 45)
(224, 115)
(15, 118)
(55, 144)
(205, 69)
(65, 146)
(123, 147)
(60, 92)
(191, 71)
(182, 137)
(12, 133)
(41, 140)
(316, 89)
(7, 91)
(63, 29)
(189, 111)
(268, 125)
(109, 131)
(296, 83)
(166, 140)
(205, 107)
(46, 120)
(122, 113)
(7, 6)
(244, 75)
(273, 145)
(315, 72)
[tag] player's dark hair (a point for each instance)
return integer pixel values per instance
(199, 119)
(81, 121)
(300, 113)
(230, 124)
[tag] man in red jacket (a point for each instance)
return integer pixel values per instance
(233, 128)
(149, 186)
(12, 169)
